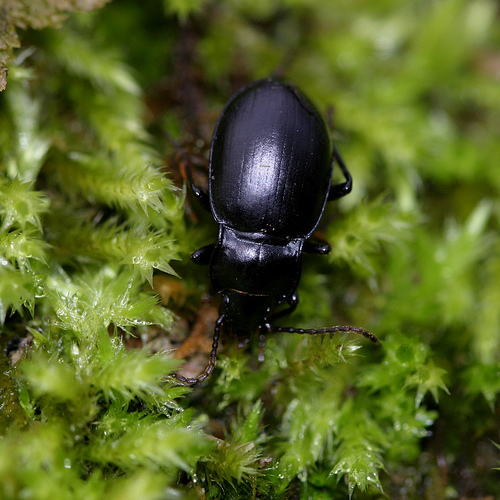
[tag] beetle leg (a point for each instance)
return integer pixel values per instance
(187, 174)
(262, 346)
(293, 302)
(203, 255)
(322, 331)
(198, 192)
(211, 362)
(322, 248)
(339, 190)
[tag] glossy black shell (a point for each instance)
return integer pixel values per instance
(270, 168)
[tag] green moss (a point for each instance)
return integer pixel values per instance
(92, 206)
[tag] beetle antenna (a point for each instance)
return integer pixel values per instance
(322, 331)
(211, 362)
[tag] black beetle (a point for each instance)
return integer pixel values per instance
(271, 166)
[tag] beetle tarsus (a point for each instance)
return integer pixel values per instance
(187, 174)
(262, 347)
(339, 190)
(198, 192)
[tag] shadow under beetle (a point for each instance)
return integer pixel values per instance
(271, 166)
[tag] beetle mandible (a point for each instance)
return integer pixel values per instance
(270, 177)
